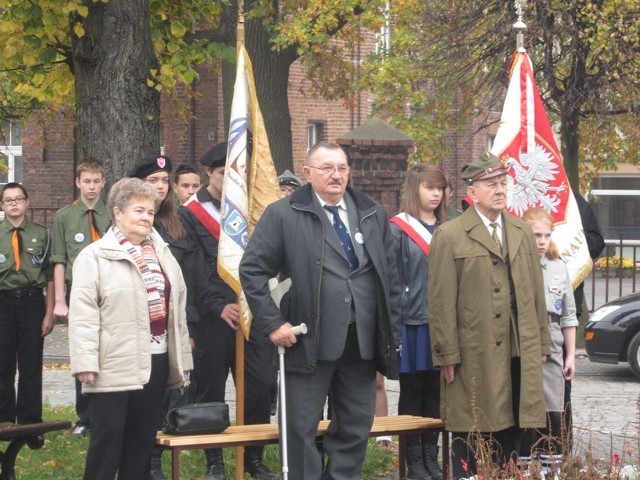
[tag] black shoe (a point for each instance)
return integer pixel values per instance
(215, 464)
(155, 473)
(430, 454)
(254, 466)
(259, 471)
(215, 472)
(415, 465)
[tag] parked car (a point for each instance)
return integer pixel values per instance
(612, 334)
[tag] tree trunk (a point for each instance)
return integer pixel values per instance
(271, 75)
(118, 115)
(570, 145)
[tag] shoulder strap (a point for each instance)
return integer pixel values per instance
(414, 230)
(210, 223)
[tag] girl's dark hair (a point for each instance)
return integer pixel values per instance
(433, 177)
(168, 217)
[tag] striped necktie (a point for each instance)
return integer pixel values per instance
(494, 235)
(344, 237)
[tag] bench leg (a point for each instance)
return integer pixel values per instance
(445, 454)
(175, 463)
(8, 457)
(402, 457)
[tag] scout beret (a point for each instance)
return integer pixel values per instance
(288, 178)
(485, 166)
(215, 156)
(149, 165)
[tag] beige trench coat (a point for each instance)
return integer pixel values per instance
(472, 327)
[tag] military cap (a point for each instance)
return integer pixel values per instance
(288, 178)
(216, 156)
(150, 164)
(485, 166)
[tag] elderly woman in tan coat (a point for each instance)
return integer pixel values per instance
(127, 333)
(488, 324)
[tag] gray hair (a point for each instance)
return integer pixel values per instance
(123, 191)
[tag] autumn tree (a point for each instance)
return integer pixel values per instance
(586, 60)
(108, 60)
(277, 33)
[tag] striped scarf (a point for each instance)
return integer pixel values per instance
(147, 263)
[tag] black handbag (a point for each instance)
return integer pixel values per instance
(197, 419)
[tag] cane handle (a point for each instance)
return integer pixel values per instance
(299, 329)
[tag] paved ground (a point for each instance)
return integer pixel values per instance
(606, 398)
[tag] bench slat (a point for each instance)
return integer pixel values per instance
(268, 433)
(9, 431)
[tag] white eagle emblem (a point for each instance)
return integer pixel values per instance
(534, 183)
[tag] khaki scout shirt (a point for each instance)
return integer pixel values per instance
(72, 232)
(35, 268)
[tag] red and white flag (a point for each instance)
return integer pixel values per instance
(537, 177)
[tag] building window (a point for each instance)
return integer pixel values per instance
(10, 152)
(314, 133)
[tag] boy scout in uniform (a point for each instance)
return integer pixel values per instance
(26, 317)
(74, 227)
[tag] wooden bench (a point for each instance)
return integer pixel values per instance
(263, 434)
(20, 435)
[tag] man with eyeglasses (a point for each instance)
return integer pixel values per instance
(288, 183)
(26, 315)
(334, 243)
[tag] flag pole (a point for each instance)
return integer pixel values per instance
(520, 26)
(239, 380)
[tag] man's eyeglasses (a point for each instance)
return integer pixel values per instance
(17, 200)
(342, 169)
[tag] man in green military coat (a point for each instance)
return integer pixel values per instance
(488, 321)
(26, 316)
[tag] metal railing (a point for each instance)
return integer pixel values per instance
(614, 281)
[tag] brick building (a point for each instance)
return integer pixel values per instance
(41, 154)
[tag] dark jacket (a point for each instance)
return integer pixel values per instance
(413, 269)
(213, 293)
(289, 241)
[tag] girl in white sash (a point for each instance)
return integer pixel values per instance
(424, 208)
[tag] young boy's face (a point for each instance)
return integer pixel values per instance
(90, 185)
(187, 185)
(14, 203)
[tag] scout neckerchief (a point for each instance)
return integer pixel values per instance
(210, 223)
(95, 231)
(414, 229)
(16, 246)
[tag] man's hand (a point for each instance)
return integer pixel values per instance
(87, 377)
(60, 309)
(569, 367)
(447, 372)
(231, 315)
(283, 336)
(47, 325)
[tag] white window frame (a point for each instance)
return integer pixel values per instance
(314, 133)
(11, 152)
